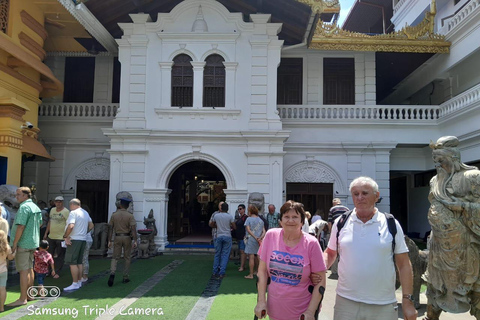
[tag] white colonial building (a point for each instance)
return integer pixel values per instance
(207, 104)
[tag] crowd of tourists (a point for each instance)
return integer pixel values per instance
(65, 240)
(285, 257)
(291, 260)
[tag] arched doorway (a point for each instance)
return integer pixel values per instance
(197, 188)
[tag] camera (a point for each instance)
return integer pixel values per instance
(28, 125)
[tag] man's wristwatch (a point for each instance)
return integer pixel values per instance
(409, 297)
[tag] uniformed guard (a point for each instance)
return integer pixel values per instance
(123, 225)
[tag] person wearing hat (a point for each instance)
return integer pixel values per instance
(54, 233)
(123, 225)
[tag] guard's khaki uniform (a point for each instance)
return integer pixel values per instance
(120, 225)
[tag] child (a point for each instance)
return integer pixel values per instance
(5, 253)
(42, 259)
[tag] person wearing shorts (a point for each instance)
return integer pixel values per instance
(43, 259)
(24, 239)
(78, 224)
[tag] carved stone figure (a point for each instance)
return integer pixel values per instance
(100, 239)
(127, 195)
(149, 223)
(454, 214)
(258, 200)
(143, 247)
(418, 258)
(7, 197)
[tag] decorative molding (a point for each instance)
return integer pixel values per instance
(81, 13)
(197, 113)
(170, 168)
(10, 141)
(92, 169)
(78, 54)
(12, 108)
(419, 39)
(21, 77)
(19, 52)
(32, 45)
(33, 24)
(314, 172)
(322, 6)
(4, 15)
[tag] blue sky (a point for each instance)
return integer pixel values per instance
(345, 6)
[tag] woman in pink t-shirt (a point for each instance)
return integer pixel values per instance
(289, 256)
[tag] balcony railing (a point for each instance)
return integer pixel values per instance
(401, 114)
(462, 102)
(469, 10)
(80, 110)
(376, 113)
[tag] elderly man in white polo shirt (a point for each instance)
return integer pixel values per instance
(366, 283)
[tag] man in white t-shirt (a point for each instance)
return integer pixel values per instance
(366, 283)
(78, 225)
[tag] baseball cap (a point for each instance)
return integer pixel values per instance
(59, 198)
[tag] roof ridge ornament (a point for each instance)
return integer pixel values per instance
(200, 25)
(420, 38)
(322, 6)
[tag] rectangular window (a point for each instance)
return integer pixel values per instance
(116, 81)
(289, 81)
(338, 81)
(79, 79)
(3, 170)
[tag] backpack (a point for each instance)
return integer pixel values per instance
(392, 227)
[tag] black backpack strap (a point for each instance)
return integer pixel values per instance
(340, 224)
(392, 228)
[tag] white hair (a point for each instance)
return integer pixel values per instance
(366, 180)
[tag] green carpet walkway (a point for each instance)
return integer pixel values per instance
(152, 293)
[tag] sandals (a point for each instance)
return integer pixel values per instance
(56, 276)
(241, 269)
(248, 277)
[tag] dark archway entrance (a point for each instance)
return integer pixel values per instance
(197, 188)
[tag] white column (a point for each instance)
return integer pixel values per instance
(157, 200)
(166, 84)
(116, 177)
(102, 91)
(230, 72)
(198, 83)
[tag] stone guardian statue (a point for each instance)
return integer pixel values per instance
(453, 282)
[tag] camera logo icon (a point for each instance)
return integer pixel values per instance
(36, 292)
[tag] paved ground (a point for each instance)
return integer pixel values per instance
(329, 301)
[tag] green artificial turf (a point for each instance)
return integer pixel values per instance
(236, 298)
(178, 292)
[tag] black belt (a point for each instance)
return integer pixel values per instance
(122, 234)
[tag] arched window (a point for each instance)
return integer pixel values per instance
(214, 82)
(182, 81)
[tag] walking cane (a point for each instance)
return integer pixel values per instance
(264, 312)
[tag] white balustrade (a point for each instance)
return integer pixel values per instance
(80, 110)
(358, 112)
(460, 102)
(467, 11)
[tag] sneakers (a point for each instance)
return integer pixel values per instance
(74, 286)
(126, 280)
(83, 280)
(110, 279)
